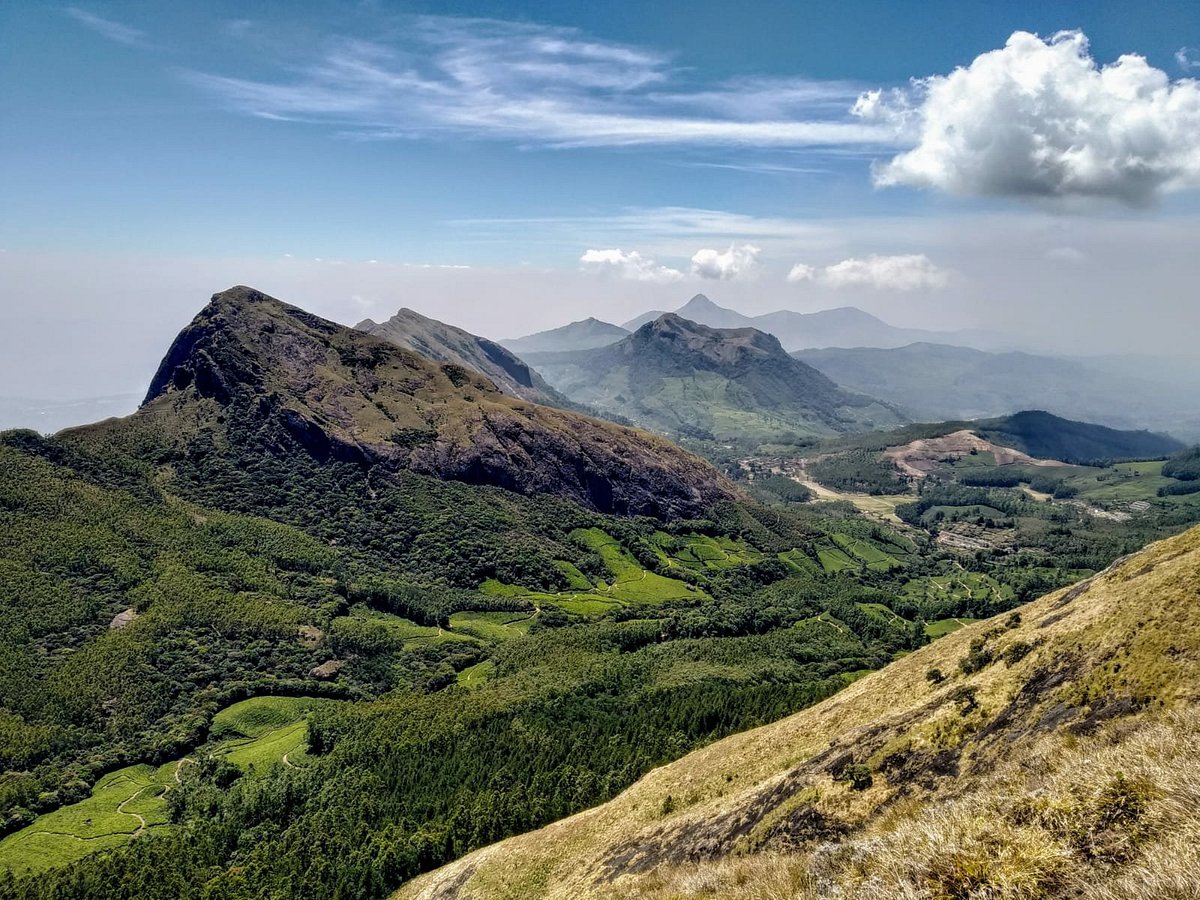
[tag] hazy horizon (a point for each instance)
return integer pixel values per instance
(1029, 171)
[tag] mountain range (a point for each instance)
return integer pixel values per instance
(681, 377)
(845, 326)
(327, 613)
(585, 334)
(932, 382)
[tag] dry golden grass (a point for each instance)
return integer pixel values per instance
(1076, 772)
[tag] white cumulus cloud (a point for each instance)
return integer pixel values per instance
(628, 264)
(803, 272)
(1040, 119)
(725, 264)
(907, 272)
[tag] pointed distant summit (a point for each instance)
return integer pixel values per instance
(582, 335)
(697, 303)
(699, 309)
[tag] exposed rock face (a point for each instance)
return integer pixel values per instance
(249, 364)
(123, 618)
(327, 670)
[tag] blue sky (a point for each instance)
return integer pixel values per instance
(466, 158)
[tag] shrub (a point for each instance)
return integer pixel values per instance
(964, 697)
(978, 657)
(1015, 652)
(857, 775)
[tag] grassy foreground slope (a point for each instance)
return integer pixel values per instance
(1051, 753)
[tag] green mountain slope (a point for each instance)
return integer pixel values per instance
(1047, 436)
(1050, 754)
(585, 334)
(933, 382)
(684, 378)
(446, 344)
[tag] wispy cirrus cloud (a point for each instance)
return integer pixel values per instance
(541, 84)
(1187, 58)
(114, 31)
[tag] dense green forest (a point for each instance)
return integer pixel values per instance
(249, 569)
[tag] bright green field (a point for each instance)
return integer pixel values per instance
(107, 819)
(1127, 482)
(263, 752)
(492, 626)
(799, 561)
(629, 582)
(473, 676)
(959, 586)
(258, 715)
(985, 459)
(872, 555)
(261, 731)
(943, 627)
(700, 552)
(879, 612)
(254, 733)
(415, 635)
(834, 560)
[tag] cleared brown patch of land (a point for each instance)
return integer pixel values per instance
(920, 457)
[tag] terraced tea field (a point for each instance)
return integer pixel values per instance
(123, 805)
(252, 735)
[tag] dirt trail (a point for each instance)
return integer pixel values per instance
(834, 625)
(287, 762)
(141, 821)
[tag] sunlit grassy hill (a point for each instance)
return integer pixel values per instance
(1050, 753)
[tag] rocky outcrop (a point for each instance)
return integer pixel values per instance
(250, 368)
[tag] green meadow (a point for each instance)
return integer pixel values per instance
(252, 735)
(123, 804)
